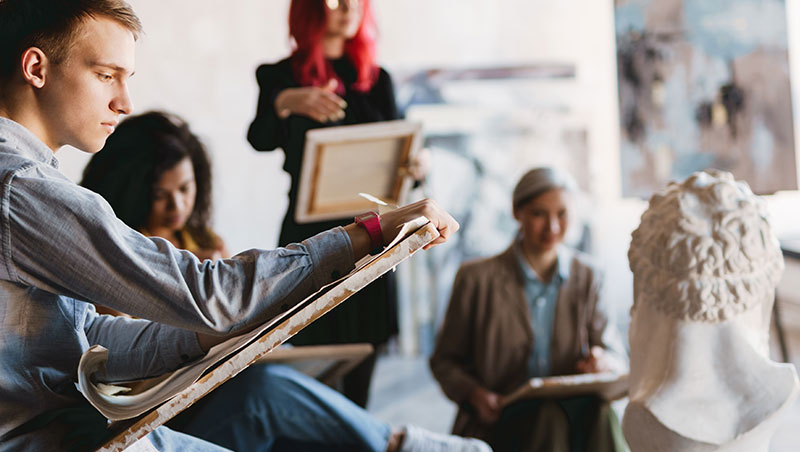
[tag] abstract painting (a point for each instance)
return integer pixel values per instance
(704, 84)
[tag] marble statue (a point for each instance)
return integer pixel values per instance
(705, 264)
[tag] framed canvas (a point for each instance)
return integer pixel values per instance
(341, 162)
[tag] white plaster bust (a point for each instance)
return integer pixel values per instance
(705, 265)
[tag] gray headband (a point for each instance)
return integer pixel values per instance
(539, 180)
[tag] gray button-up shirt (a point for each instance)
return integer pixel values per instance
(62, 248)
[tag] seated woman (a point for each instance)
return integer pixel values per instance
(535, 310)
(156, 175)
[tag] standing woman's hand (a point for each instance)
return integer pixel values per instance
(319, 104)
(419, 166)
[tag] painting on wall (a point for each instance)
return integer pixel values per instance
(704, 84)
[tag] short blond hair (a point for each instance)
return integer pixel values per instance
(52, 26)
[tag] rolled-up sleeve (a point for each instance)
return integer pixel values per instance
(139, 348)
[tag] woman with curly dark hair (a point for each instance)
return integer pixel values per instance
(156, 174)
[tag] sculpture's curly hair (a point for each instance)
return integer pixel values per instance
(704, 250)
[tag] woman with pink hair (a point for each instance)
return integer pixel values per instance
(330, 79)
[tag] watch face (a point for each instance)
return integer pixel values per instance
(366, 216)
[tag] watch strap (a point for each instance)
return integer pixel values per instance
(371, 222)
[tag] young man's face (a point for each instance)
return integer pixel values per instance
(84, 95)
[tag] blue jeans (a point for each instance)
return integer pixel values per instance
(270, 407)
(167, 440)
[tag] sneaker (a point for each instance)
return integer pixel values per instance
(418, 439)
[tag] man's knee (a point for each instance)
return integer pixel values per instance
(282, 376)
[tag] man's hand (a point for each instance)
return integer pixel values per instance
(319, 104)
(487, 404)
(392, 221)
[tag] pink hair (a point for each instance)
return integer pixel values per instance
(307, 24)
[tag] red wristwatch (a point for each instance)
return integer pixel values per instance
(372, 223)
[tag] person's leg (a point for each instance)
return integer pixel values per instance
(580, 411)
(593, 424)
(164, 439)
(264, 403)
(534, 425)
(289, 445)
(417, 439)
(607, 429)
(550, 429)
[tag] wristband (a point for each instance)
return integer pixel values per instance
(372, 223)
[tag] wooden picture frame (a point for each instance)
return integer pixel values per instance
(341, 162)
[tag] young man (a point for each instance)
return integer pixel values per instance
(64, 68)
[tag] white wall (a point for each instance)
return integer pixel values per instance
(198, 58)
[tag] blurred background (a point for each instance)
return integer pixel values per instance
(626, 95)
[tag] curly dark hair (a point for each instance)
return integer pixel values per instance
(135, 156)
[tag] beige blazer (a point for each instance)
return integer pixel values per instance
(487, 337)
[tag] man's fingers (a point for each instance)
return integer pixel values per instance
(444, 223)
(447, 226)
(439, 240)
